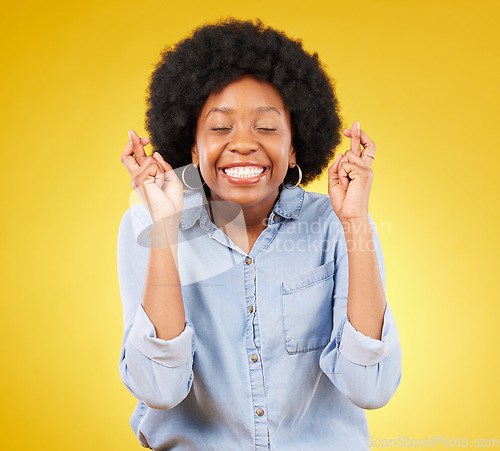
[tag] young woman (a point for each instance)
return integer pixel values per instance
(255, 314)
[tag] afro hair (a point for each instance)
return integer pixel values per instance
(215, 55)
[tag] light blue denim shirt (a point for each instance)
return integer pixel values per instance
(268, 358)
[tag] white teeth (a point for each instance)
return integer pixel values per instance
(243, 172)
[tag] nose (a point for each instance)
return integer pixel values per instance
(243, 142)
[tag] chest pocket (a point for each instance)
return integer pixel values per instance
(306, 302)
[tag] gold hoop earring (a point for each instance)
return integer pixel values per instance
(184, 180)
(298, 181)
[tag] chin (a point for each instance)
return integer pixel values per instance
(248, 199)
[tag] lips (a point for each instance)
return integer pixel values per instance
(244, 173)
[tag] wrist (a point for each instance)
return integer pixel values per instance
(164, 232)
(358, 235)
(357, 226)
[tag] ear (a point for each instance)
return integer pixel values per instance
(194, 155)
(292, 159)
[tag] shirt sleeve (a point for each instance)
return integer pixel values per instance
(366, 370)
(157, 372)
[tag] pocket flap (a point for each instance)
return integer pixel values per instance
(308, 278)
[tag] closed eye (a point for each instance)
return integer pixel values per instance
(267, 129)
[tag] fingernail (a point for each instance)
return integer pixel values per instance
(130, 137)
(357, 126)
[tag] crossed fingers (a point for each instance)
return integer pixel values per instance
(356, 162)
(360, 138)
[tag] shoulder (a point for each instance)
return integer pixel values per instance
(135, 224)
(313, 197)
(318, 205)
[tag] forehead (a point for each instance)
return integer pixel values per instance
(246, 93)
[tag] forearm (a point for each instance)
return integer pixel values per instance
(162, 297)
(366, 300)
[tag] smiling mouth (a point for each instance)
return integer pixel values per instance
(244, 174)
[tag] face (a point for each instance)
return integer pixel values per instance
(243, 143)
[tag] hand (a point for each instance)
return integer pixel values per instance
(153, 179)
(350, 177)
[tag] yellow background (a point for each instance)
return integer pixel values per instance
(421, 78)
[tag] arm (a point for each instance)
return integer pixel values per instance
(365, 369)
(162, 299)
(155, 370)
(366, 301)
(363, 357)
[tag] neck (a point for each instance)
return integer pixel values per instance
(254, 216)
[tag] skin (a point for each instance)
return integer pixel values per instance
(349, 183)
(248, 121)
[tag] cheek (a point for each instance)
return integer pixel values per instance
(208, 156)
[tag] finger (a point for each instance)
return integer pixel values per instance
(343, 177)
(368, 146)
(364, 138)
(147, 173)
(335, 189)
(368, 149)
(351, 157)
(128, 160)
(349, 169)
(169, 175)
(165, 167)
(138, 147)
(336, 162)
(333, 174)
(355, 171)
(355, 138)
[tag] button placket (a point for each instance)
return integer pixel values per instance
(256, 376)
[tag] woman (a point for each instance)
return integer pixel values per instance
(254, 312)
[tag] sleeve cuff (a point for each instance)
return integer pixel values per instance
(363, 350)
(170, 353)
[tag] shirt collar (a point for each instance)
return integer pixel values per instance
(195, 207)
(288, 205)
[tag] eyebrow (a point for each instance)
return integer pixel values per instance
(260, 109)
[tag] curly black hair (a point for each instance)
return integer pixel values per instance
(217, 54)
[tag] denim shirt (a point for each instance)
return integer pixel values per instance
(268, 358)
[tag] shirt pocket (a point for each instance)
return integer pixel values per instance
(306, 305)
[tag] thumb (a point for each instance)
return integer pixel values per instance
(335, 189)
(159, 159)
(138, 146)
(169, 175)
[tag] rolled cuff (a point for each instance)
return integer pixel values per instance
(170, 353)
(363, 350)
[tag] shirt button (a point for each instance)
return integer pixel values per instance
(254, 358)
(275, 218)
(250, 309)
(259, 412)
(248, 260)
